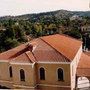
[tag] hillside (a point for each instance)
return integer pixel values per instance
(58, 14)
(15, 30)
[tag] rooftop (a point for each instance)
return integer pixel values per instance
(84, 66)
(65, 45)
(53, 48)
(87, 53)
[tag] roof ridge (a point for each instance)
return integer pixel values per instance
(28, 56)
(17, 56)
(56, 50)
(34, 56)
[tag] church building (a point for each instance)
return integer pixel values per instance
(48, 62)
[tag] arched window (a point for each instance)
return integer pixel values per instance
(42, 74)
(60, 74)
(10, 71)
(22, 75)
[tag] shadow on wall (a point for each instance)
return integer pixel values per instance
(3, 87)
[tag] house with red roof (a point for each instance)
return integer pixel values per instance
(49, 62)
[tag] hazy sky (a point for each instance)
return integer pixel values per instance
(17, 7)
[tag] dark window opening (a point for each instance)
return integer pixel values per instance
(60, 75)
(42, 74)
(22, 75)
(10, 71)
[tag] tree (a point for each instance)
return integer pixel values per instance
(10, 43)
(10, 32)
(37, 29)
(74, 33)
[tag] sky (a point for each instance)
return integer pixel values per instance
(19, 7)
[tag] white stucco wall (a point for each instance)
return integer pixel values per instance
(74, 65)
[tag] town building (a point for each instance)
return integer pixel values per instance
(49, 62)
(85, 29)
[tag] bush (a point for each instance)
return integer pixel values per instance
(10, 43)
(74, 33)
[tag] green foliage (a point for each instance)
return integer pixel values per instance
(74, 33)
(11, 36)
(14, 30)
(10, 43)
(37, 30)
(10, 32)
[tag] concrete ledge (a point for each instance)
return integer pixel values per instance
(7, 84)
(23, 87)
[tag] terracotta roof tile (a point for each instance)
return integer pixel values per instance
(12, 53)
(23, 58)
(45, 53)
(83, 68)
(87, 53)
(31, 56)
(26, 57)
(54, 48)
(15, 52)
(65, 45)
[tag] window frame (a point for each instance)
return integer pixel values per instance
(10, 72)
(44, 74)
(22, 79)
(63, 74)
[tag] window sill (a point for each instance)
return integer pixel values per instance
(22, 81)
(42, 80)
(61, 80)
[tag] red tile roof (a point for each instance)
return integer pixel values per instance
(12, 53)
(15, 52)
(83, 68)
(65, 45)
(54, 48)
(26, 57)
(23, 58)
(45, 53)
(87, 53)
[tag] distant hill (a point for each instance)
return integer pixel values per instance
(58, 14)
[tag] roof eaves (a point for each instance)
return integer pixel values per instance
(33, 61)
(34, 57)
(28, 57)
